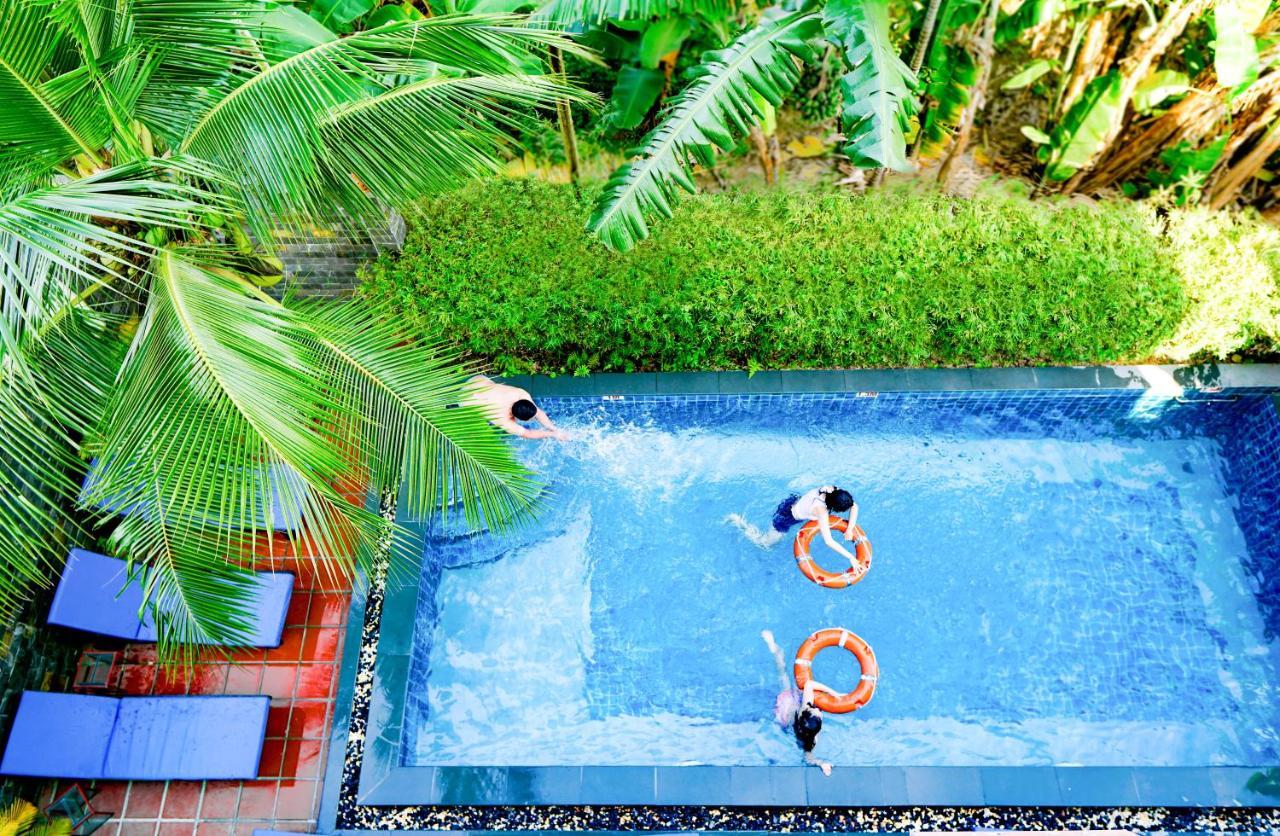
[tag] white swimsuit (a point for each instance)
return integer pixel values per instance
(804, 507)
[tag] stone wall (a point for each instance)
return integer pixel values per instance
(323, 262)
(35, 657)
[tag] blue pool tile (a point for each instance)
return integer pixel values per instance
(1245, 786)
(1028, 786)
(479, 785)
(847, 786)
(1175, 786)
(691, 784)
(760, 786)
(618, 785)
(1097, 785)
(943, 785)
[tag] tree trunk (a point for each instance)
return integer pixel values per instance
(985, 50)
(564, 114)
(1198, 116)
(763, 152)
(1224, 191)
(1135, 67)
(923, 44)
(1088, 60)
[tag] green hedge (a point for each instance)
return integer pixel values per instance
(816, 279)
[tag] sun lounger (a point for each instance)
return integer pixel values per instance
(136, 738)
(92, 596)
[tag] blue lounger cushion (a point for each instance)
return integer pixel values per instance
(92, 596)
(66, 733)
(136, 738)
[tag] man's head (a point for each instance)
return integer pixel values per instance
(838, 500)
(524, 410)
(806, 726)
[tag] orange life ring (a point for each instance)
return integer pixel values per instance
(852, 642)
(820, 576)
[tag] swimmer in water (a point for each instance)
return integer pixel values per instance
(817, 504)
(794, 709)
(508, 405)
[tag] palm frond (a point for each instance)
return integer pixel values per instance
(879, 88)
(195, 594)
(29, 42)
(456, 126)
(37, 487)
(718, 103)
(571, 14)
(74, 224)
(270, 131)
(33, 131)
(198, 41)
(250, 434)
(417, 436)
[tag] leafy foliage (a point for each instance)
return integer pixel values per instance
(878, 90)
(1083, 132)
(717, 104)
(140, 146)
(887, 278)
(950, 72)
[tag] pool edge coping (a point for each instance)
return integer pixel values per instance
(390, 786)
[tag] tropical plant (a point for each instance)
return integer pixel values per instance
(21, 818)
(1149, 92)
(722, 101)
(151, 153)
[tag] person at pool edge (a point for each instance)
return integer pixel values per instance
(508, 405)
(817, 504)
(796, 709)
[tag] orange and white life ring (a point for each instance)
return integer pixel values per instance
(852, 642)
(820, 576)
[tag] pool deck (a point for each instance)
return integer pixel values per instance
(300, 677)
(366, 788)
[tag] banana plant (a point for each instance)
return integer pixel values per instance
(720, 104)
(151, 153)
(949, 73)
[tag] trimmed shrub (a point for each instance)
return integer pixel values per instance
(786, 279)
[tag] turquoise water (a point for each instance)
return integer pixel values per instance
(1048, 587)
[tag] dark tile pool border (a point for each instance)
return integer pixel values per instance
(366, 788)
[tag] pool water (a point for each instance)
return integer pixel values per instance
(1055, 581)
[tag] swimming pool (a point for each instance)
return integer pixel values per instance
(1060, 578)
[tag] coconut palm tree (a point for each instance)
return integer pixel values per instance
(151, 153)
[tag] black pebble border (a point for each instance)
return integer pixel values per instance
(354, 816)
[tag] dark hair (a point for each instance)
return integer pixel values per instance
(806, 725)
(523, 409)
(838, 500)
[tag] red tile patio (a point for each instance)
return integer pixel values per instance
(301, 678)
